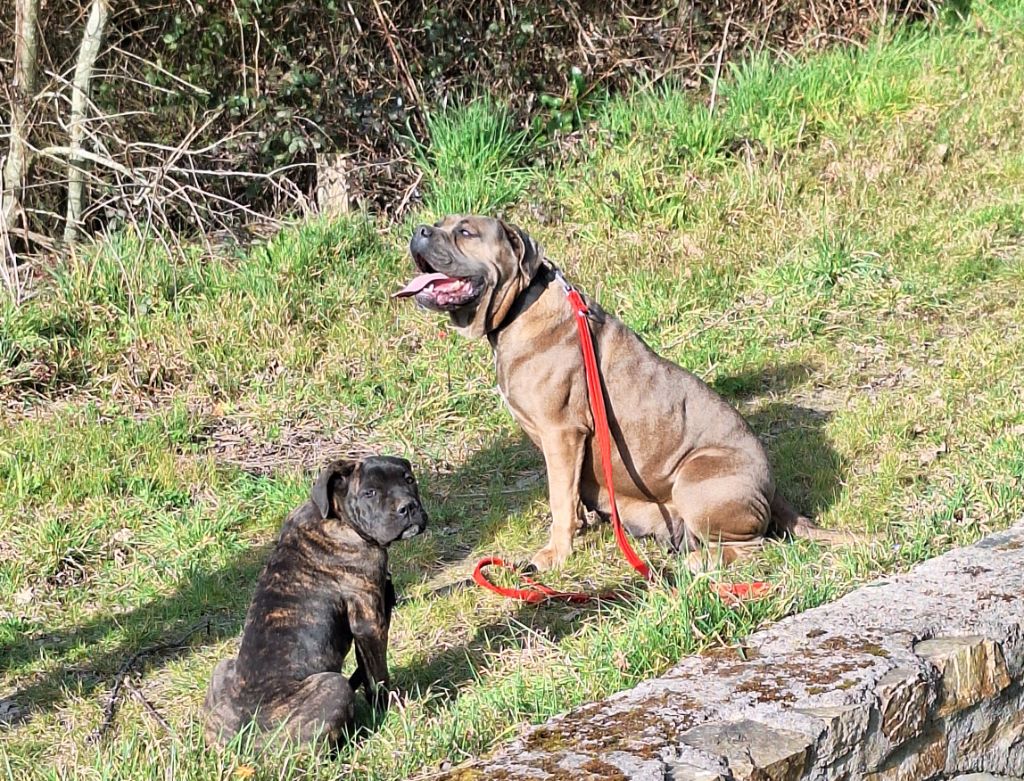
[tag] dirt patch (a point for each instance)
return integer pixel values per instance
(470, 774)
(296, 446)
(743, 653)
(602, 770)
(845, 645)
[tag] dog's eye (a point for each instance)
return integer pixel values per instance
(409, 479)
(369, 493)
(467, 233)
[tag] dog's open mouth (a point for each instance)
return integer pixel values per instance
(439, 291)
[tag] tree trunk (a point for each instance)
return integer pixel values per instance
(12, 183)
(90, 50)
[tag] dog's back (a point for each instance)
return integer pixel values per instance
(298, 622)
(225, 709)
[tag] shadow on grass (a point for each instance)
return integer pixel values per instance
(470, 505)
(221, 596)
(808, 470)
(764, 379)
(441, 672)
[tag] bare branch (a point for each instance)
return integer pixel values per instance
(12, 180)
(161, 69)
(70, 153)
(91, 39)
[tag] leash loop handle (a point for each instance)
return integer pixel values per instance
(535, 591)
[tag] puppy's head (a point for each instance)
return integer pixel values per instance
(377, 496)
(472, 268)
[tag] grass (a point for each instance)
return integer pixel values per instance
(474, 160)
(837, 248)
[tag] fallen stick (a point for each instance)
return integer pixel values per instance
(110, 709)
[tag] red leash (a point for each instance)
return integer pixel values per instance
(535, 591)
(595, 391)
(538, 592)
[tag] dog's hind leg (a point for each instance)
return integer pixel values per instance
(723, 504)
(787, 522)
(714, 556)
(221, 715)
(322, 707)
(650, 519)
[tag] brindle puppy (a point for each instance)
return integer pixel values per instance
(325, 586)
(687, 467)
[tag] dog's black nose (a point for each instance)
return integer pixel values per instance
(420, 240)
(407, 509)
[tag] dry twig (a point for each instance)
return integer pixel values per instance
(110, 708)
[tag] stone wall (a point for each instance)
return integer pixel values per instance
(914, 677)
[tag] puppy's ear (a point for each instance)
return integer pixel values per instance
(333, 479)
(528, 252)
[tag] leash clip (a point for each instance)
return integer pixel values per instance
(579, 306)
(568, 288)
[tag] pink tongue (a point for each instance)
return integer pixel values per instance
(417, 284)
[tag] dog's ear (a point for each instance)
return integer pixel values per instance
(334, 478)
(528, 252)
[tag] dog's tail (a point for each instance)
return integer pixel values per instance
(787, 522)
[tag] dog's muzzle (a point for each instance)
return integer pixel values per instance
(412, 531)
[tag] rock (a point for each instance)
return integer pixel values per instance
(903, 700)
(680, 771)
(923, 760)
(845, 726)
(11, 713)
(754, 752)
(972, 669)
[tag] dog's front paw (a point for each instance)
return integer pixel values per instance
(550, 557)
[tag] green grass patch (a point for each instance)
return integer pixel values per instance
(475, 160)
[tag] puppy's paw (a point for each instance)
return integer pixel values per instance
(550, 557)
